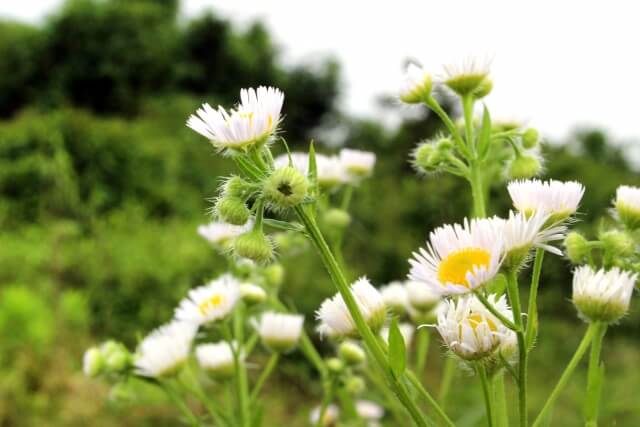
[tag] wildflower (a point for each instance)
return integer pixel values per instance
(221, 233)
(164, 351)
(216, 359)
(335, 319)
(357, 163)
(351, 353)
(93, 362)
(416, 86)
(627, 206)
(210, 302)
(577, 247)
(470, 79)
(469, 329)
(530, 138)
(525, 166)
(602, 295)
(329, 418)
(280, 332)
(251, 123)
(459, 258)
(420, 297)
(232, 209)
(254, 245)
(395, 297)
(285, 188)
(369, 411)
(558, 199)
(337, 218)
(252, 294)
(331, 172)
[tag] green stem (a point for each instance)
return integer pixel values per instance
(514, 299)
(477, 190)
(427, 396)
(453, 130)
(242, 381)
(365, 332)
(326, 401)
(422, 351)
(506, 322)
(564, 378)
(177, 400)
(500, 399)
(199, 393)
(487, 392)
(266, 372)
(532, 311)
(447, 379)
(467, 108)
(594, 378)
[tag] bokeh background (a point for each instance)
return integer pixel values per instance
(102, 187)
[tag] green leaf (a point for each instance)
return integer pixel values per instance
(283, 225)
(397, 350)
(485, 134)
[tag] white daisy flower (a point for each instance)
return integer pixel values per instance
(469, 329)
(216, 359)
(330, 417)
(252, 294)
(421, 297)
(369, 411)
(357, 163)
(164, 351)
(330, 170)
(395, 297)
(416, 85)
(406, 329)
(253, 121)
(280, 332)
(558, 199)
(335, 319)
(210, 302)
(459, 258)
(602, 295)
(627, 205)
(220, 233)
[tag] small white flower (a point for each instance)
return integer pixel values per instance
(395, 297)
(299, 160)
(602, 295)
(335, 319)
(420, 296)
(219, 233)
(557, 199)
(416, 85)
(459, 258)
(280, 332)
(369, 411)
(406, 329)
(330, 170)
(210, 302)
(357, 163)
(469, 329)
(216, 359)
(165, 349)
(253, 121)
(252, 294)
(627, 205)
(330, 417)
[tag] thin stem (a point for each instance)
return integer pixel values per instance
(500, 399)
(266, 372)
(487, 392)
(532, 311)
(514, 299)
(477, 190)
(453, 130)
(594, 377)
(422, 351)
(427, 396)
(199, 393)
(467, 108)
(177, 400)
(447, 379)
(564, 378)
(326, 401)
(242, 381)
(506, 322)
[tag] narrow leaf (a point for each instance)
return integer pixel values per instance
(397, 350)
(485, 134)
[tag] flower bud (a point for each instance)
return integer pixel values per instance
(627, 205)
(444, 145)
(530, 138)
(274, 275)
(335, 365)
(235, 186)
(116, 356)
(395, 298)
(232, 210)
(355, 385)
(422, 155)
(484, 88)
(253, 245)
(280, 332)
(416, 86)
(619, 243)
(577, 247)
(285, 188)
(351, 353)
(93, 362)
(337, 218)
(524, 167)
(602, 295)
(216, 359)
(252, 294)
(471, 81)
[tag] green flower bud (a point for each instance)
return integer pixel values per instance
(116, 356)
(421, 156)
(416, 86)
(351, 353)
(484, 88)
(530, 138)
(355, 385)
(619, 243)
(274, 274)
(93, 362)
(470, 83)
(252, 294)
(337, 218)
(576, 246)
(335, 365)
(253, 245)
(285, 188)
(235, 186)
(524, 167)
(444, 145)
(232, 210)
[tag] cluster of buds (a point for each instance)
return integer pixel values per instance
(109, 359)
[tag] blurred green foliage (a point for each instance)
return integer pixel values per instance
(102, 187)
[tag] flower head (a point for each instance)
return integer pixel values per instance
(416, 85)
(602, 295)
(280, 332)
(558, 199)
(357, 163)
(472, 78)
(331, 171)
(252, 122)
(369, 411)
(329, 418)
(216, 359)
(459, 258)
(627, 205)
(164, 351)
(220, 233)
(395, 297)
(210, 302)
(335, 319)
(420, 296)
(469, 329)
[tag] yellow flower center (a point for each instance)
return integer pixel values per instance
(454, 268)
(474, 320)
(214, 301)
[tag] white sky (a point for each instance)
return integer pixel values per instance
(554, 63)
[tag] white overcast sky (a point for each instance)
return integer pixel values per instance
(556, 64)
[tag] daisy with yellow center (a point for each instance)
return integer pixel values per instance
(557, 199)
(210, 302)
(469, 329)
(459, 257)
